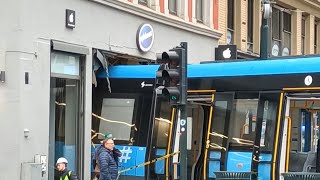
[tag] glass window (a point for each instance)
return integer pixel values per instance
(162, 125)
(269, 118)
(250, 25)
(281, 33)
(197, 118)
(243, 122)
(117, 110)
(286, 22)
(230, 32)
(266, 120)
(286, 34)
(199, 10)
(219, 118)
(286, 44)
(220, 121)
(143, 1)
(62, 63)
(173, 6)
(64, 119)
(276, 24)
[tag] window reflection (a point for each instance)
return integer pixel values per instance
(162, 125)
(243, 122)
(64, 114)
(118, 110)
(219, 116)
(269, 118)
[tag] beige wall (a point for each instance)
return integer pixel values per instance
(318, 40)
(223, 9)
(310, 34)
(309, 8)
(296, 20)
(240, 28)
(257, 25)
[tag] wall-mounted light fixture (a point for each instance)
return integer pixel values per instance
(2, 76)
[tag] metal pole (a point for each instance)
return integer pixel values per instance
(151, 129)
(183, 120)
(264, 45)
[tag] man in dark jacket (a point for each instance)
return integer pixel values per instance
(64, 173)
(107, 163)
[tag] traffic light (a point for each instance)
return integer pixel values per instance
(172, 74)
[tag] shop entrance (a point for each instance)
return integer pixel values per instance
(66, 112)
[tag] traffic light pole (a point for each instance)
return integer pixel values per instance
(183, 144)
(264, 45)
(172, 75)
(264, 39)
(183, 119)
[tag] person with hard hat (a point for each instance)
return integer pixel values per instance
(65, 174)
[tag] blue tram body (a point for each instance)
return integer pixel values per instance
(257, 77)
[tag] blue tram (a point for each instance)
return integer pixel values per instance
(257, 116)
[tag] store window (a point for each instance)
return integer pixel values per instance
(199, 10)
(230, 19)
(172, 6)
(250, 26)
(281, 33)
(143, 1)
(66, 107)
(286, 34)
(65, 64)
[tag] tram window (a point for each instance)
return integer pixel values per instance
(219, 118)
(120, 110)
(162, 125)
(243, 122)
(269, 118)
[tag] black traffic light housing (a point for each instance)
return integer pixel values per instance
(172, 74)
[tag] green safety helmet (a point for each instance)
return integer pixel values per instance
(108, 135)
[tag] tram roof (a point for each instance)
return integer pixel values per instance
(292, 65)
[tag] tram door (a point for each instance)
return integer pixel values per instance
(199, 107)
(210, 114)
(240, 138)
(300, 138)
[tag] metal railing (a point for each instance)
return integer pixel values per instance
(301, 176)
(223, 175)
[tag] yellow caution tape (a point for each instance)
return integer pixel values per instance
(150, 162)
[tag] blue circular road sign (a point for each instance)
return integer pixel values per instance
(145, 37)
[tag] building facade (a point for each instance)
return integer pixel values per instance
(46, 59)
(294, 27)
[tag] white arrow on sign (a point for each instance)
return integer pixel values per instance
(143, 84)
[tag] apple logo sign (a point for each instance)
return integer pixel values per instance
(71, 18)
(227, 53)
